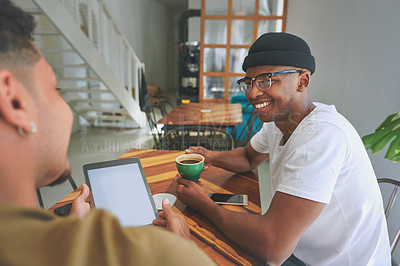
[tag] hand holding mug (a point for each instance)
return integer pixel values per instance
(207, 154)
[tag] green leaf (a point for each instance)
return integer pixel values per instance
(388, 120)
(388, 132)
(382, 142)
(369, 140)
(391, 124)
(395, 159)
(394, 148)
(372, 139)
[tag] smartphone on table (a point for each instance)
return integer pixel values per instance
(233, 199)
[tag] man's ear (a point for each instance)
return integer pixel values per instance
(303, 81)
(13, 107)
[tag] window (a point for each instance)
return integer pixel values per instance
(228, 28)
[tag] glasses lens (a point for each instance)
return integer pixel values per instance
(242, 86)
(263, 82)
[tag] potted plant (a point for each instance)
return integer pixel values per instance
(387, 132)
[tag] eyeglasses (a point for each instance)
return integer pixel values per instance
(263, 81)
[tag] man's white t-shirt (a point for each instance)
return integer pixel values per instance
(324, 160)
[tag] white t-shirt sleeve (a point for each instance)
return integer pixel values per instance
(314, 162)
(259, 141)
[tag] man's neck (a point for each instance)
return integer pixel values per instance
(14, 194)
(290, 124)
(17, 176)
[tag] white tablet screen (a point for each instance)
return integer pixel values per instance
(121, 190)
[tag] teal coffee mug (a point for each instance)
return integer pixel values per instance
(190, 166)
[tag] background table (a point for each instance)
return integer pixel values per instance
(204, 114)
(160, 170)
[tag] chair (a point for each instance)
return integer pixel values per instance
(396, 185)
(182, 138)
(155, 131)
(39, 195)
(165, 106)
(242, 134)
(159, 109)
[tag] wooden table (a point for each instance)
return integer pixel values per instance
(205, 114)
(159, 168)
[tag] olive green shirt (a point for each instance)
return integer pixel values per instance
(33, 236)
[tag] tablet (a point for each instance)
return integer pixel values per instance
(120, 187)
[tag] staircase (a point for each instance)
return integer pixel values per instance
(98, 72)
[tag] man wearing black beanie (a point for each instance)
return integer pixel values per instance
(326, 207)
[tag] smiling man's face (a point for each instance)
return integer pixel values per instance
(278, 102)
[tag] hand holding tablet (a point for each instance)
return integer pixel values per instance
(172, 221)
(120, 187)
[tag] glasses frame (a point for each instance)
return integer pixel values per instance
(269, 75)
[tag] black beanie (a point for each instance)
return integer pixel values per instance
(279, 49)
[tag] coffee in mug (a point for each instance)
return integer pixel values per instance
(190, 161)
(190, 166)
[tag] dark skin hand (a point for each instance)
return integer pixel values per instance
(239, 160)
(201, 150)
(271, 237)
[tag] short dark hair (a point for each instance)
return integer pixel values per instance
(16, 47)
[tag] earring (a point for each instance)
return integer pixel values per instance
(22, 132)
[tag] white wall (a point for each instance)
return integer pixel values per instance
(357, 48)
(149, 27)
(194, 22)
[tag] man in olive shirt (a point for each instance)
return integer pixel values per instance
(35, 125)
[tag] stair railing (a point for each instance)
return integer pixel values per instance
(126, 65)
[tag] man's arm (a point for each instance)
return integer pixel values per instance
(238, 160)
(271, 237)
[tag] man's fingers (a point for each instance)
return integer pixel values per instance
(167, 209)
(191, 149)
(164, 214)
(161, 214)
(194, 149)
(201, 183)
(84, 193)
(185, 182)
(80, 207)
(160, 222)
